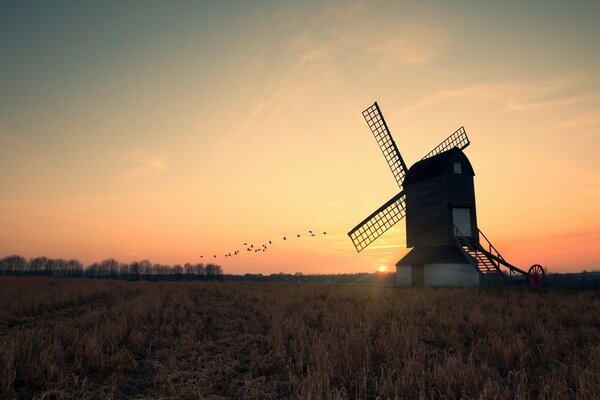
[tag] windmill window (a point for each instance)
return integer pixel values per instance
(457, 168)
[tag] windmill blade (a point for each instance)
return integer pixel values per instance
(379, 222)
(385, 141)
(457, 139)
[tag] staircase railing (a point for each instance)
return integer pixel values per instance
(489, 245)
(513, 272)
(492, 254)
(463, 241)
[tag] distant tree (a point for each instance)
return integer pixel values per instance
(37, 265)
(145, 267)
(92, 270)
(13, 265)
(188, 269)
(124, 270)
(135, 269)
(213, 271)
(109, 267)
(52, 267)
(199, 269)
(74, 268)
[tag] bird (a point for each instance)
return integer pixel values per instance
(251, 246)
(245, 244)
(298, 235)
(309, 231)
(312, 234)
(214, 256)
(284, 238)
(324, 233)
(269, 242)
(201, 256)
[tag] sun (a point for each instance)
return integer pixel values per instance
(382, 268)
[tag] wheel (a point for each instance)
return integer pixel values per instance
(535, 276)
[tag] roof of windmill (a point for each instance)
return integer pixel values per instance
(433, 254)
(435, 166)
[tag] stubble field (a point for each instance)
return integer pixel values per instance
(96, 339)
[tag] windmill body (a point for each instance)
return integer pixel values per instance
(440, 196)
(437, 197)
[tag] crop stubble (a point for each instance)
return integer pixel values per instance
(82, 338)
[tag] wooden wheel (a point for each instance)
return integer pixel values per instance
(535, 276)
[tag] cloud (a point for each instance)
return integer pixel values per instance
(337, 36)
(318, 48)
(141, 163)
(538, 103)
(582, 120)
(518, 96)
(40, 207)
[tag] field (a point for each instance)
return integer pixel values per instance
(93, 339)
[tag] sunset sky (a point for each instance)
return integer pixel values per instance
(171, 130)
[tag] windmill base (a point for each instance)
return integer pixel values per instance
(437, 275)
(436, 266)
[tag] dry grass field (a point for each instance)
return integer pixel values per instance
(96, 339)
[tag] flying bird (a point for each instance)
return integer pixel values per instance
(284, 238)
(269, 242)
(298, 235)
(324, 233)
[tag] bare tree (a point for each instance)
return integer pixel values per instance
(37, 265)
(13, 265)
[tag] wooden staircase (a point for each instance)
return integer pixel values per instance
(494, 269)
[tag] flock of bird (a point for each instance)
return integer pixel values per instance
(262, 247)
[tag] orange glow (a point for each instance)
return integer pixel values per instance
(382, 268)
(216, 133)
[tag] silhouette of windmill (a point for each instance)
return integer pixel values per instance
(438, 199)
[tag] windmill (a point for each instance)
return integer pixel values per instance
(437, 198)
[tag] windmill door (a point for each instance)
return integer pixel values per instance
(462, 221)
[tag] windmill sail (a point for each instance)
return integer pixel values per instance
(457, 139)
(385, 141)
(379, 222)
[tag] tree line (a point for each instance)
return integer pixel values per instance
(110, 268)
(145, 270)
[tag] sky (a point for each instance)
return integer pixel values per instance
(173, 130)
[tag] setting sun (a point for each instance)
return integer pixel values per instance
(382, 268)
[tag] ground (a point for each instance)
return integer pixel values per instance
(84, 338)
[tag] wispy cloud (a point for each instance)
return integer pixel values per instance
(318, 49)
(72, 200)
(587, 119)
(140, 163)
(336, 35)
(519, 96)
